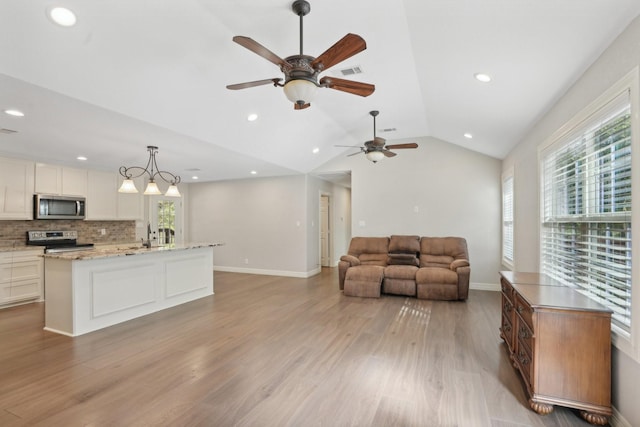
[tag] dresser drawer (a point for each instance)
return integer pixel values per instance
(507, 290)
(524, 310)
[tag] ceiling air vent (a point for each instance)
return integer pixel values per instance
(7, 131)
(351, 71)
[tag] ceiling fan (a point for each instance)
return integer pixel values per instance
(376, 149)
(301, 71)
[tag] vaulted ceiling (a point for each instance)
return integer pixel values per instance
(131, 74)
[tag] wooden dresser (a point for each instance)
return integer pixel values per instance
(560, 342)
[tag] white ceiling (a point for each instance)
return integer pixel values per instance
(138, 73)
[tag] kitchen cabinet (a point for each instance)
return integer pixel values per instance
(105, 203)
(102, 196)
(21, 276)
(60, 180)
(560, 342)
(16, 189)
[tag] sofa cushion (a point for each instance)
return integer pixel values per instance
(442, 261)
(403, 272)
(436, 275)
(373, 259)
(368, 245)
(404, 244)
(402, 259)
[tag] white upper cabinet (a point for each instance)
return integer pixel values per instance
(60, 180)
(16, 189)
(102, 196)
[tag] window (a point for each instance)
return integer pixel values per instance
(507, 218)
(586, 204)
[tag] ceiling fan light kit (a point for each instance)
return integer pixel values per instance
(301, 71)
(375, 150)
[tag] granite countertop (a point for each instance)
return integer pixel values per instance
(108, 251)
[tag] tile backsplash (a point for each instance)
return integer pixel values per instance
(88, 231)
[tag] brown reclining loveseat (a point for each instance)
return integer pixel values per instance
(425, 267)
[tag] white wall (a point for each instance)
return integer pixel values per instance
(260, 220)
(456, 193)
(618, 59)
(271, 222)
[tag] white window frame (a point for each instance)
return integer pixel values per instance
(629, 343)
(508, 217)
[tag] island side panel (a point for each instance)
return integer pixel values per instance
(109, 290)
(188, 274)
(58, 296)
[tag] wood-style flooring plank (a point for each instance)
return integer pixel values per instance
(271, 351)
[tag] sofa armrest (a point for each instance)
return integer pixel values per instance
(350, 259)
(457, 263)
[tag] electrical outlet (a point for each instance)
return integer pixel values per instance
(103, 231)
(246, 260)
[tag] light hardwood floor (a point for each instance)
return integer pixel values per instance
(271, 351)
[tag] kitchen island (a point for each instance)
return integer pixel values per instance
(90, 290)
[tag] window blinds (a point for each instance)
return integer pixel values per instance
(507, 219)
(586, 194)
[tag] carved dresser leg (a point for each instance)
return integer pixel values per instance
(593, 418)
(540, 408)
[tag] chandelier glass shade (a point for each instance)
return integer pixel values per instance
(300, 91)
(152, 171)
(375, 156)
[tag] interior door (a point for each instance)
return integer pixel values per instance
(325, 258)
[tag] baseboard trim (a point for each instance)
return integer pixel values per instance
(284, 273)
(617, 420)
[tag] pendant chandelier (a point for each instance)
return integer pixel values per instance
(152, 171)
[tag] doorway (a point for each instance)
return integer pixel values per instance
(325, 231)
(166, 220)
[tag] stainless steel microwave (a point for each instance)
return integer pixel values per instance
(58, 207)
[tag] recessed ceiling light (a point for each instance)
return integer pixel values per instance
(81, 158)
(194, 177)
(62, 16)
(315, 150)
(468, 135)
(15, 113)
(252, 117)
(481, 77)
(253, 172)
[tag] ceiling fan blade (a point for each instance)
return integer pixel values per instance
(297, 106)
(350, 86)
(344, 48)
(378, 142)
(388, 153)
(237, 86)
(256, 47)
(349, 146)
(408, 145)
(353, 154)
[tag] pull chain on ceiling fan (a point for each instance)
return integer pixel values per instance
(376, 149)
(301, 71)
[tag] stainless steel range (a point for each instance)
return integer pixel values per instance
(57, 241)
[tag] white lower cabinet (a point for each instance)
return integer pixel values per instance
(21, 276)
